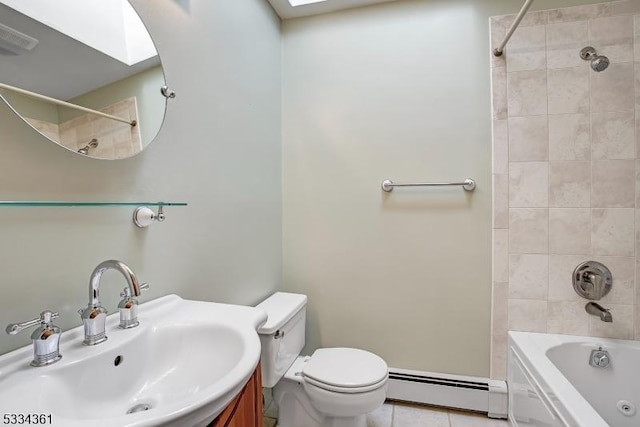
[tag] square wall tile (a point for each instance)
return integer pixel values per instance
(625, 7)
(613, 136)
(567, 317)
(636, 38)
(569, 137)
(528, 231)
(570, 184)
(528, 276)
(612, 232)
(499, 308)
(568, 90)
(611, 91)
(570, 231)
(500, 201)
(528, 139)
(637, 237)
(637, 105)
(638, 189)
(527, 93)
(527, 315)
(500, 147)
(499, 357)
(499, 91)
(528, 184)
(526, 49)
(561, 269)
(563, 41)
(533, 18)
(580, 13)
(613, 184)
(637, 304)
(613, 37)
(500, 256)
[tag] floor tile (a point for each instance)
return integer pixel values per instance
(419, 416)
(468, 419)
(269, 422)
(381, 417)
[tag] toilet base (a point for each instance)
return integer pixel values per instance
(295, 408)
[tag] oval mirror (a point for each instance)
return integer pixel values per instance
(83, 73)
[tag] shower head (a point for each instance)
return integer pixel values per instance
(598, 62)
(92, 144)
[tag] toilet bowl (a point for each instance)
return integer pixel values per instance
(334, 387)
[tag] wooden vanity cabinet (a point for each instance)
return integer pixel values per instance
(245, 410)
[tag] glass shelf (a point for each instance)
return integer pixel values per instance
(35, 204)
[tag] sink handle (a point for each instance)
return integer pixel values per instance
(45, 319)
(126, 292)
(46, 338)
(128, 308)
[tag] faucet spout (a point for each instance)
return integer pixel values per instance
(595, 309)
(94, 316)
(94, 282)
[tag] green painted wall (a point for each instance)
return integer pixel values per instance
(32, 108)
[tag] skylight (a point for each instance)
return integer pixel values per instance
(112, 27)
(295, 3)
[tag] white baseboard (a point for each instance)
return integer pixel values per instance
(453, 391)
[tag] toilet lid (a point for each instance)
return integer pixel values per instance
(345, 368)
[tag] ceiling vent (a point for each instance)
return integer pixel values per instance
(14, 41)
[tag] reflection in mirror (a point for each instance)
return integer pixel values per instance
(96, 54)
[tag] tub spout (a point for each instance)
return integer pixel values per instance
(597, 310)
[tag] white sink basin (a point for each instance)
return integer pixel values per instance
(185, 362)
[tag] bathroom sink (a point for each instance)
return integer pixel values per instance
(181, 367)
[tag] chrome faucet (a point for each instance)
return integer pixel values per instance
(46, 338)
(94, 316)
(595, 309)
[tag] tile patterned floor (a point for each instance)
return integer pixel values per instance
(393, 414)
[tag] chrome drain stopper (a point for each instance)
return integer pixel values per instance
(139, 408)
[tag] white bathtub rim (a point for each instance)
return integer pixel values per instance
(533, 347)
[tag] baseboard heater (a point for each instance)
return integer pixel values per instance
(452, 391)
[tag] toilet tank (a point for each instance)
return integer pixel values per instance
(282, 336)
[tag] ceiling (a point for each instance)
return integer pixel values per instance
(286, 11)
(59, 66)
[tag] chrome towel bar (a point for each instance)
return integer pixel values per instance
(468, 184)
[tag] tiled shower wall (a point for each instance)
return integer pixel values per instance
(565, 174)
(116, 140)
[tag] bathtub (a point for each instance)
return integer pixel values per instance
(551, 382)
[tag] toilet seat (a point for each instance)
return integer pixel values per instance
(347, 390)
(345, 370)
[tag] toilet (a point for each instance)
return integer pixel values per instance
(334, 387)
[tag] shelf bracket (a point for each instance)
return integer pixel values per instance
(143, 217)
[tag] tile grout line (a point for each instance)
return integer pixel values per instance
(590, 164)
(546, 61)
(393, 413)
(635, 174)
